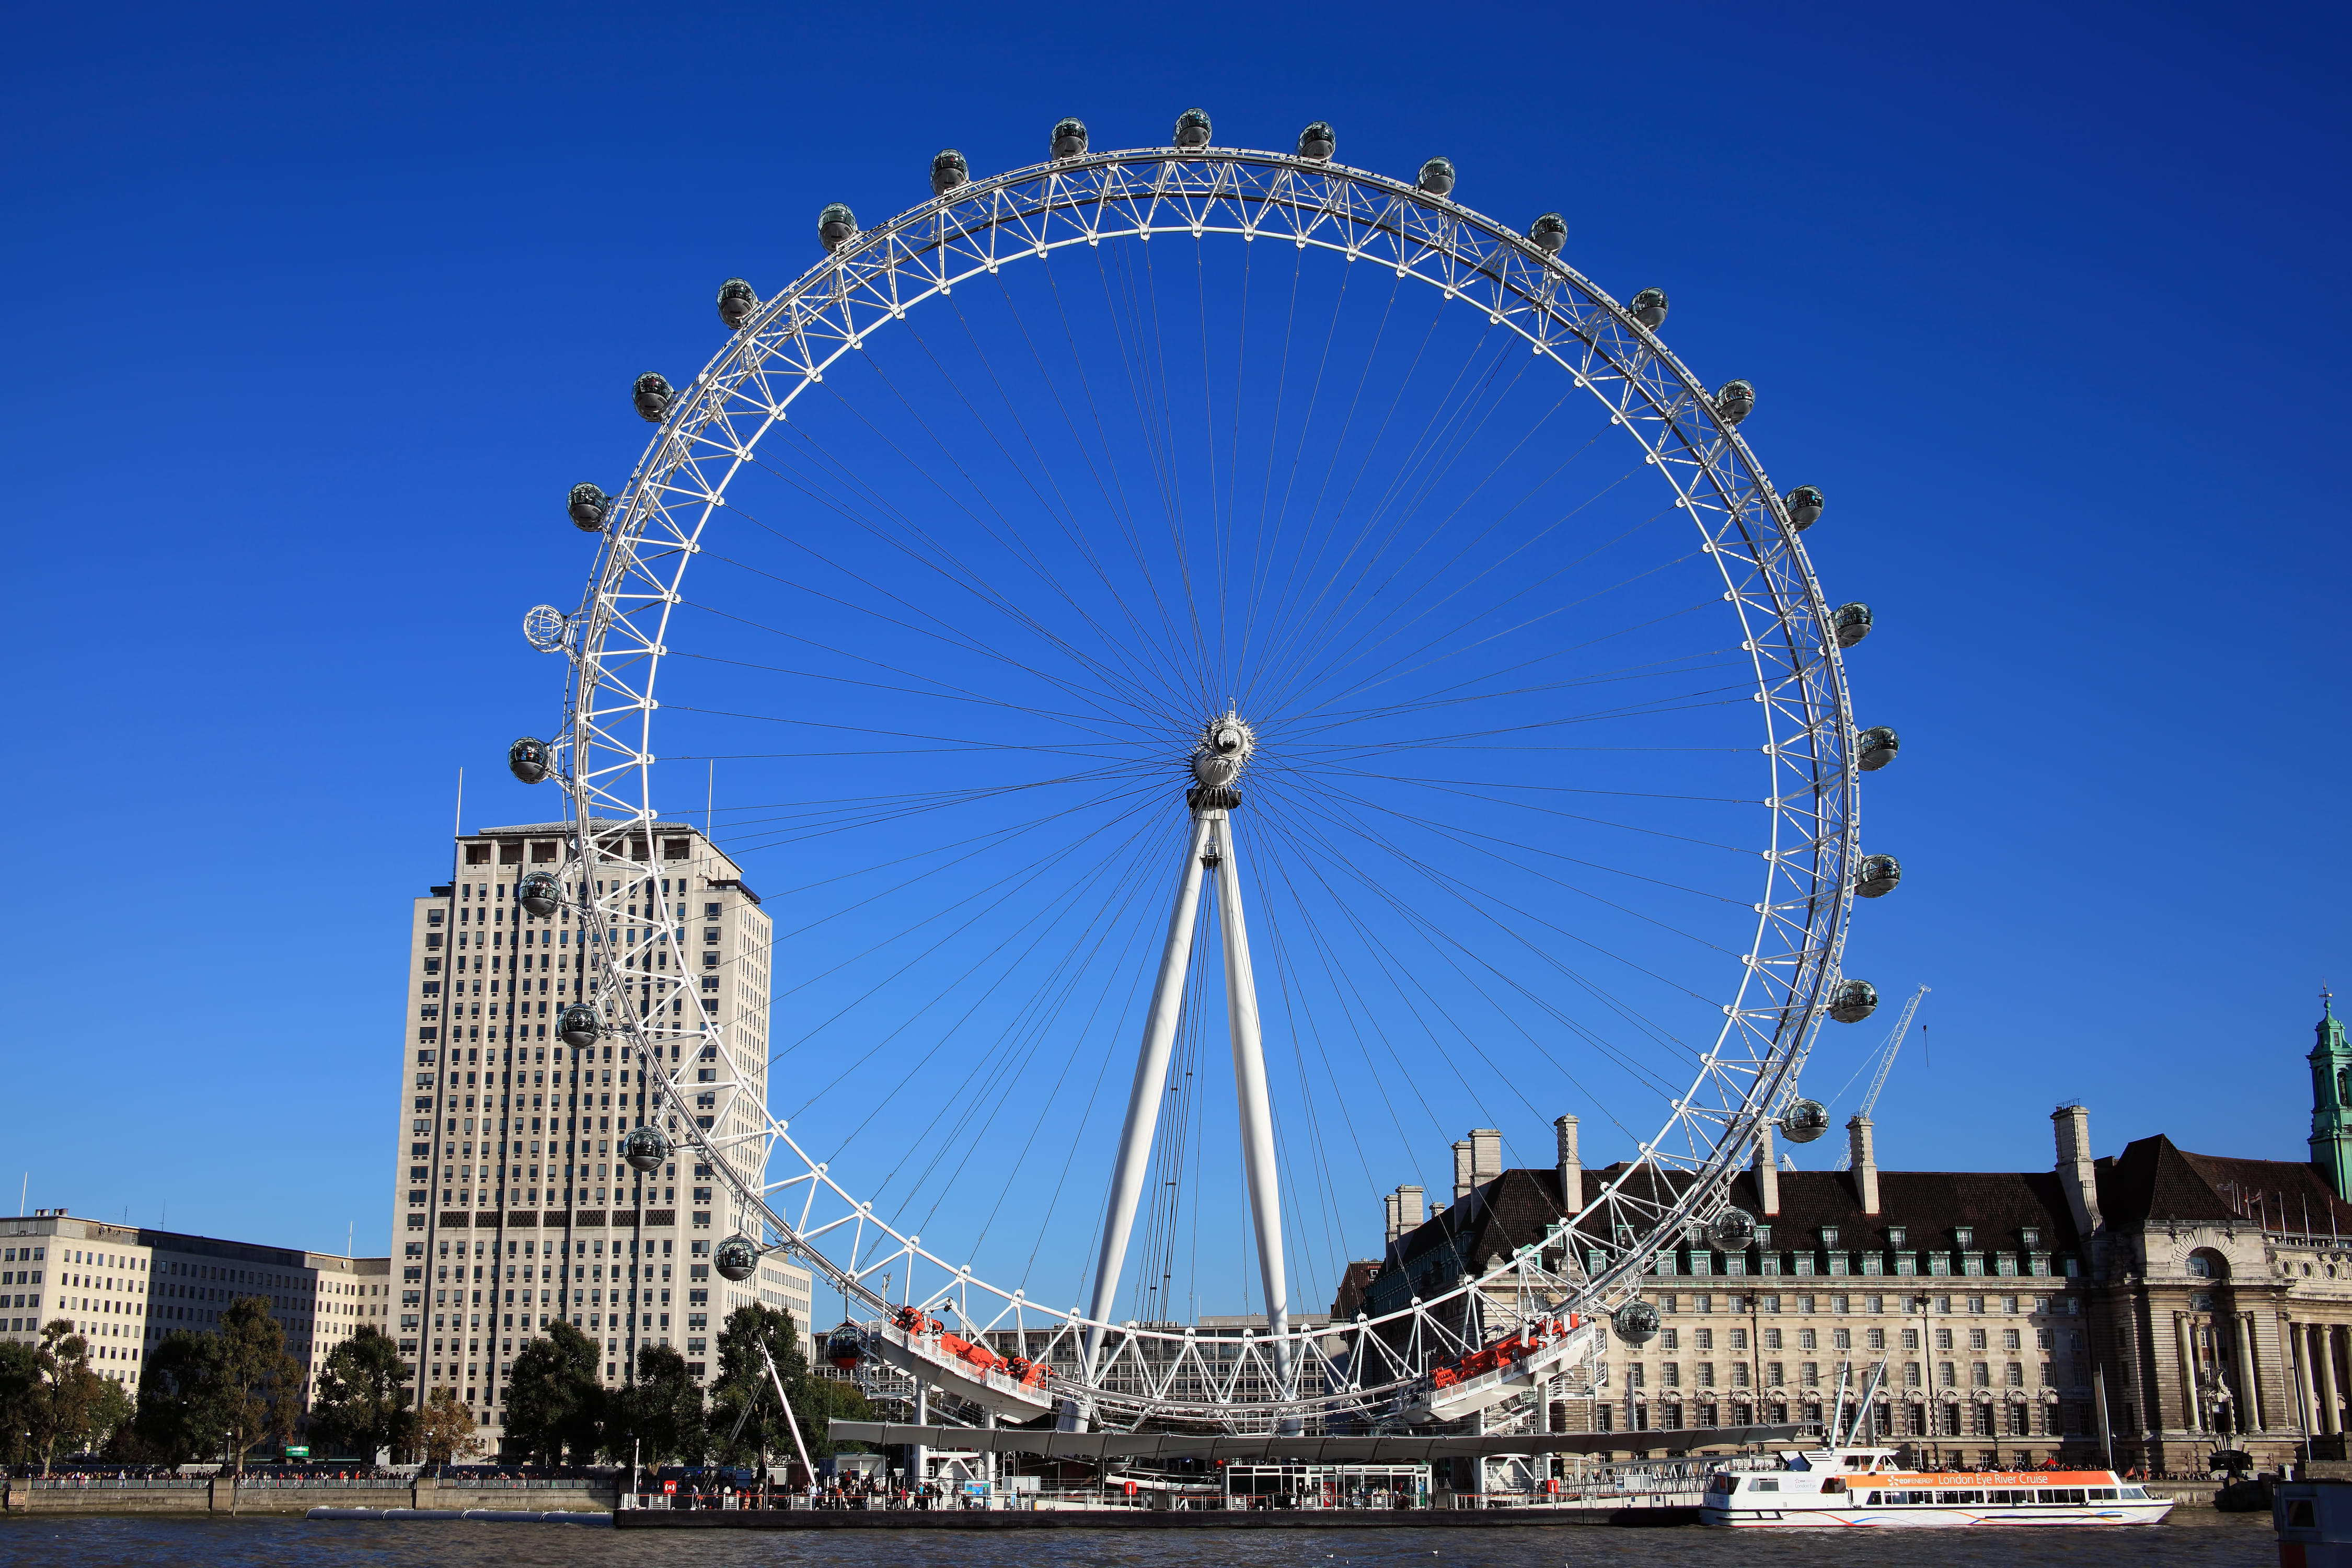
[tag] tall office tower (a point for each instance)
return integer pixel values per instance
(512, 1206)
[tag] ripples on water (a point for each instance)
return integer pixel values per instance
(298, 1544)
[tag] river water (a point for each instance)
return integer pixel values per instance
(2216, 1541)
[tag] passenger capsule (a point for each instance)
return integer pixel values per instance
(1192, 129)
(845, 1347)
(1318, 141)
(1436, 177)
(540, 893)
(1852, 1001)
(948, 170)
(530, 759)
(837, 225)
(1851, 622)
(1804, 1120)
(1635, 1322)
(1878, 876)
(1649, 308)
(652, 395)
(736, 302)
(645, 1148)
(1069, 140)
(1732, 1229)
(1549, 233)
(736, 1258)
(1874, 748)
(578, 1026)
(1805, 504)
(1734, 401)
(587, 505)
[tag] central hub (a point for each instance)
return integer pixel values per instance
(1223, 751)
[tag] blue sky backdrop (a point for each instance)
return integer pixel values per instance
(312, 316)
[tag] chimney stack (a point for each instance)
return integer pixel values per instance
(1410, 1213)
(1571, 1167)
(1768, 1175)
(2076, 1173)
(1462, 1180)
(1389, 1204)
(1485, 1155)
(1865, 1162)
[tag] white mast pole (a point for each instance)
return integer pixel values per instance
(1143, 1102)
(1249, 1089)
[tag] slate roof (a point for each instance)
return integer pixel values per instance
(2153, 1181)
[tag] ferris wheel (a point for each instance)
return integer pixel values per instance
(1232, 668)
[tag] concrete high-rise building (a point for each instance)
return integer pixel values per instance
(125, 1287)
(510, 1206)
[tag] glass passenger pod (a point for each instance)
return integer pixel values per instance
(1318, 141)
(1549, 233)
(1436, 177)
(737, 301)
(1734, 401)
(540, 893)
(1732, 1229)
(1878, 876)
(1852, 1001)
(587, 506)
(579, 1026)
(845, 1347)
(1069, 138)
(530, 759)
(736, 1258)
(837, 225)
(1874, 748)
(645, 1148)
(652, 394)
(1649, 308)
(1804, 1120)
(1635, 1322)
(1192, 129)
(1805, 504)
(949, 170)
(1851, 622)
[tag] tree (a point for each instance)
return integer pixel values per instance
(660, 1416)
(261, 1386)
(743, 1384)
(20, 1380)
(66, 1396)
(445, 1429)
(359, 1402)
(553, 1398)
(180, 1412)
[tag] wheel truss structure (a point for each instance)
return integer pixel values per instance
(1125, 1372)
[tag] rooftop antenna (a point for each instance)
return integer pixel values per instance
(709, 793)
(457, 817)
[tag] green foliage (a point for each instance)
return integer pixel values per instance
(259, 1385)
(445, 1430)
(743, 1384)
(65, 1398)
(660, 1416)
(182, 1415)
(361, 1403)
(555, 1401)
(20, 1379)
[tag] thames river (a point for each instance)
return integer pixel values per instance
(2224, 1542)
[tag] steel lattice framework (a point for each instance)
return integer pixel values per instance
(606, 756)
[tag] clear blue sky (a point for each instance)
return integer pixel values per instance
(311, 315)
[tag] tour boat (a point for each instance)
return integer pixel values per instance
(1861, 1486)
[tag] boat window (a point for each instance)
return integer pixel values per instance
(1857, 1461)
(2103, 1494)
(1953, 1498)
(2134, 1494)
(1834, 1484)
(2299, 1515)
(1764, 1484)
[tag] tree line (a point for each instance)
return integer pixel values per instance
(221, 1396)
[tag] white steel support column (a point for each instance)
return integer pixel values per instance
(1143, 1100)
(1249, 1088)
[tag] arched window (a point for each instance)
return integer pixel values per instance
(2207, 1264)
(2344, 1085)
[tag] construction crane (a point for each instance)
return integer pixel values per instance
(1886, 1062)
